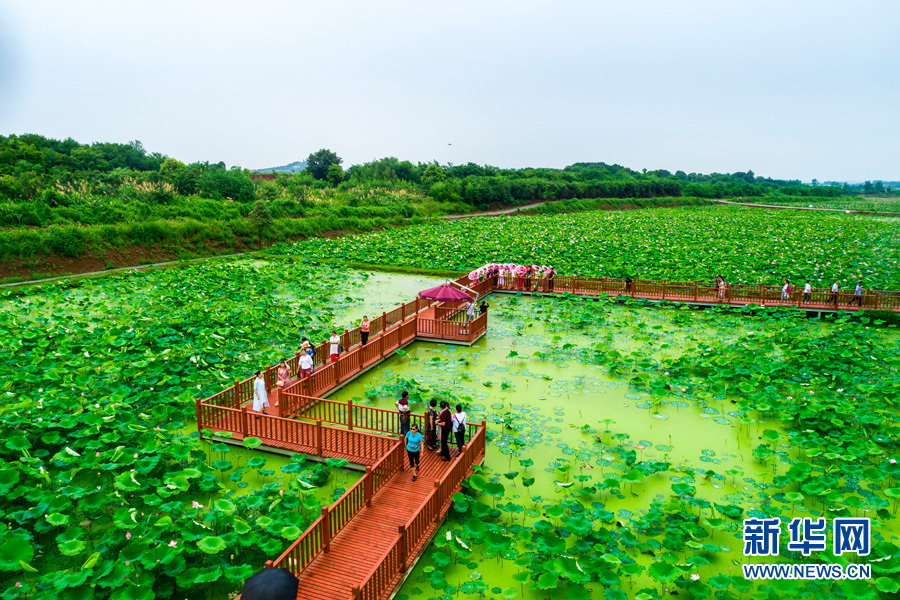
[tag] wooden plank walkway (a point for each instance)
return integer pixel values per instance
(371, 534)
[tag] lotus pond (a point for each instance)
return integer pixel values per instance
(105, 490)
(626, 441)
(746, 245)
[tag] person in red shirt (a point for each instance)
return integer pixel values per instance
(446, 423)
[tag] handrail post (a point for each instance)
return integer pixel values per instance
(401, 529)
(762, 295)
(402, 444)
(728, 293)
(695, 291)
(319, 435)
(237, 398)
(269, 564)
(381, 340)
(368, 485)
(245, 425)
(350, 414)
(575, 285)
(326, 530)
(384, 324)
(664, 290)
(437, 488)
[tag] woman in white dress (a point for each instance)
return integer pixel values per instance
(260, 396)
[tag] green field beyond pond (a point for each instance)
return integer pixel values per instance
(626, 441)
(745, 245)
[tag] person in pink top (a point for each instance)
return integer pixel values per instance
(364, 330)
(282, 380)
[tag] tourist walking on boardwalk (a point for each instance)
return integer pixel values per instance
(260, 396)
(305, 363)
(807, 291)
(470, 310)
(403, 408)
(413, 445)
(283, 377)
(786, 290)
(446, 423)
(307, 348)
(364, 330)
(834, 293)
(857, 294)
(720, 287)
(334, 346)
(459, 428)
(431, 417)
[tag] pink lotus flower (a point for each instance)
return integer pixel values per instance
(98, 453)
(173, 544)
(18, 584)
(892, 461)
(127, 535)
(196, 504)
(695, 577)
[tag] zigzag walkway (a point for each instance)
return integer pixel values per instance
(362, 545)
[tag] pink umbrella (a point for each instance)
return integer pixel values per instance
(444, 293)
(520, 269)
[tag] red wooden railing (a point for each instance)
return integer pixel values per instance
(317, 537)
(733, 293)
(421, 525)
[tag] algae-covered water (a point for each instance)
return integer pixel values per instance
(567, 428)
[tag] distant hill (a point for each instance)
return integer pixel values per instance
(294, 167)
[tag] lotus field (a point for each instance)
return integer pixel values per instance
(627, 444)
(104, 489)
(679, 244)
(626, 441)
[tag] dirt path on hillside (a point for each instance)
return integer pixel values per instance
(811, 208)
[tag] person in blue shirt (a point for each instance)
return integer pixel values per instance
(857, 295)
(413, 444)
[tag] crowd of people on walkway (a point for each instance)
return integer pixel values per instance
(518, 277)
(440, 423)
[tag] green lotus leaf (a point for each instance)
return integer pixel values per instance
(211, 545)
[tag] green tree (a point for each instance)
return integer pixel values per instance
(433, 174)
(262, 219)
(317, 163)
(335, 174)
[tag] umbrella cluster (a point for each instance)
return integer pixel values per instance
(508, 269)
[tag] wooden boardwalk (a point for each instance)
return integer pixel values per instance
(363, 545)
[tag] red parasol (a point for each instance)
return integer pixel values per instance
(444, 293)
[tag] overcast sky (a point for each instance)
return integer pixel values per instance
(787, 89)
